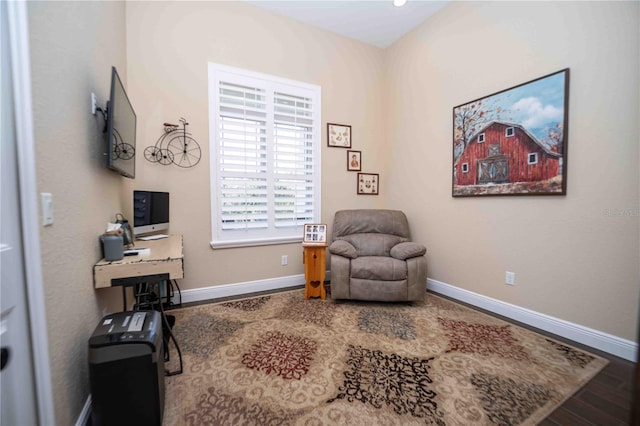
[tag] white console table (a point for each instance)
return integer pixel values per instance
(165, 257)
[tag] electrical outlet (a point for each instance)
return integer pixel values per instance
(510, 278)
(285, 260)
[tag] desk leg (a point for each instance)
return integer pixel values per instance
(124, 298)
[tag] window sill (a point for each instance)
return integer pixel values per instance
(254, 243)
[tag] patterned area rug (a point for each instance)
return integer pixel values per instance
(279, 359)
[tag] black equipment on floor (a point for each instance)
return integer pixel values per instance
(154, 292)
(126, 369)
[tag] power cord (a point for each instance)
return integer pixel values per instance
(168, 328)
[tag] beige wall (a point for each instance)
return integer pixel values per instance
(169, 45)
(571, 260)
(73, 46)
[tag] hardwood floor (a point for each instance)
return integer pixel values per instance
(606, 400)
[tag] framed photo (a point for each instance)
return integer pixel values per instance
(368, 183)
(339, 135)
(513, 142)
(315, 233)
(354, 161)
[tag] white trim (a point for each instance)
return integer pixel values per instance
(506, 132)
(85, 415)
(596, 339)
(237, 289)
(535, 158)
(255, 242)
(21, 70)
(481, 135)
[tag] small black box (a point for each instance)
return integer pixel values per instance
(126, 369)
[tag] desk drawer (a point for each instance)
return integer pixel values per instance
(103, 274)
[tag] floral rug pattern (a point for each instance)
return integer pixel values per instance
(280, 359)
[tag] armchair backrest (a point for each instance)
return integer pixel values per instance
(373, 232)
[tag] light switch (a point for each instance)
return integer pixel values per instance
(47, 208)
(510, 278)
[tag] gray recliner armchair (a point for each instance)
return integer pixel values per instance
(373, 257)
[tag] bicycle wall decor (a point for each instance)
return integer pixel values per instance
(174, 146)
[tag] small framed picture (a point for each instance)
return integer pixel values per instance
(368, 183)
(354, 161)
(339, 135)
(315, 233)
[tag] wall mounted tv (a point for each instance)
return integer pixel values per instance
(150, 212)
(121, 129)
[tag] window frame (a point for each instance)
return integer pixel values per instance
(510, 132)
(481, 137)
(535, 158)
(272, 234)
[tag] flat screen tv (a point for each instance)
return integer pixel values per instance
(121, 129)
(150, 212)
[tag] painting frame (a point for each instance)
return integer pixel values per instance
(314, 234)
(339, 135)
(513, 142)
(354, 161)
(371, 187)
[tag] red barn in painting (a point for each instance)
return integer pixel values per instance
(505, 153)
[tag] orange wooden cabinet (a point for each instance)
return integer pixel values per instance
(314, 270)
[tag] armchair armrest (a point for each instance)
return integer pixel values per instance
(407, 250)
(343, 248)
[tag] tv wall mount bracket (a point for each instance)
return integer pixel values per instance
(121, 150)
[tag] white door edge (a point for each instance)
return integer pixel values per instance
(19, 42)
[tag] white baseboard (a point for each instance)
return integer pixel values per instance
(614, 345)
(85, 415)
(238, 289)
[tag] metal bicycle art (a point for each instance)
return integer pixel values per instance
(174, 146)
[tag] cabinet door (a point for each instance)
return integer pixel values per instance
(314, 271)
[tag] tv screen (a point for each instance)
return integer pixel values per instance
(150, 212)
(121, 129)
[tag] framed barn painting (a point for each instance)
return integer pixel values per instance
(513, 142)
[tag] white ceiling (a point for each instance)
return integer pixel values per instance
(376, 22)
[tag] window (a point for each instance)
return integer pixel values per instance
(265, 157)
(481, 138)
(465, 167)
(532, 158)
(510, 131)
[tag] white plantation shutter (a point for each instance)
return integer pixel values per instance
(242, 157)
(265, 157)
(293, 160)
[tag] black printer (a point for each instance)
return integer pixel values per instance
(126, 369)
